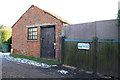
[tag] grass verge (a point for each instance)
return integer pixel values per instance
(41, 60)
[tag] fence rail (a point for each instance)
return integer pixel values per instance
(78, 40)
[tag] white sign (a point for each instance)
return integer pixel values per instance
(84, 46)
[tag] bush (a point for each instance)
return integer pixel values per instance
(5, 36)
(0, 39)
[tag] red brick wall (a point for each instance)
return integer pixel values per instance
(34, 16)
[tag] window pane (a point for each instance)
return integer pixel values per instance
(30, 37)
(32, 33)
(35, 33)
(30, 30)
(35, 37)
(34, 29)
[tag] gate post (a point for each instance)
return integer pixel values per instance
(95, 39)
(61, 40)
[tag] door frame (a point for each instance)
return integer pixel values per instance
(47, 26)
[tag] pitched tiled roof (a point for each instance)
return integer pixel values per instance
(55, 16)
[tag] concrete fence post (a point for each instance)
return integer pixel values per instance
(61, 40)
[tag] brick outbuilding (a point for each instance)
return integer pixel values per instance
(36, 33)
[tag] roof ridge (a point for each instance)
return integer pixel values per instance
(54, 15)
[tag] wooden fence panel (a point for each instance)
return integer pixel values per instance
(106, 56)
(73, 56)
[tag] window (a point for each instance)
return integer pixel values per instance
(32, 33)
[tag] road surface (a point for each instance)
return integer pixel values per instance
(19, 70)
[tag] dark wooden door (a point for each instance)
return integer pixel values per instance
(47, 42)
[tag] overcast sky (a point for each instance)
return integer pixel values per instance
(74, 11)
